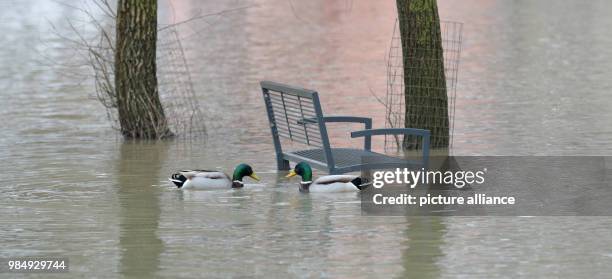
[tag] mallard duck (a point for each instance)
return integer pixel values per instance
(207, 179)
(328, 183)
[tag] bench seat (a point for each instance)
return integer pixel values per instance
(349, 159)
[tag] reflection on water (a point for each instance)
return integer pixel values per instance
(139, 212)
(425, 236)
(534, 79)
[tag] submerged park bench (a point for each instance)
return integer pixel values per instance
(295, 114)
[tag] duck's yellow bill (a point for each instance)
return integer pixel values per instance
(291, 173)
(254, 176)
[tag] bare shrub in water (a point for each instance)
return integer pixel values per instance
(140, 72)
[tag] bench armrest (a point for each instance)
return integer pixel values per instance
(391, 131)
(399, 131)
(367, 141)
(304, 121)
(352, 119)
(367, 122)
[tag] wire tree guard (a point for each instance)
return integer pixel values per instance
(395, 100)
(181, 108)
(176, 87)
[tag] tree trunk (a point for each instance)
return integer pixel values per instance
(426, 101)
(141, 114)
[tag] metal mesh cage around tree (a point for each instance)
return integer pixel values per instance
(181, 108)
(176, 87)
(451, 33)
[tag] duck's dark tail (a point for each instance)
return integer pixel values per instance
(178, 179)
(361, 183)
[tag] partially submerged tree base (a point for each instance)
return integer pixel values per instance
(155, 135)
(435, 156)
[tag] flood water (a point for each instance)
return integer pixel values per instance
(534, 78)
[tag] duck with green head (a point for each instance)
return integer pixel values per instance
(328, 183)
(207, 179)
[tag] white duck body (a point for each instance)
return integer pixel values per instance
(333, 184)
(206, 180)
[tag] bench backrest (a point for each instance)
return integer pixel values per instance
(295, 114)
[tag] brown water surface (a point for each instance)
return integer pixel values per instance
(534, 79)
